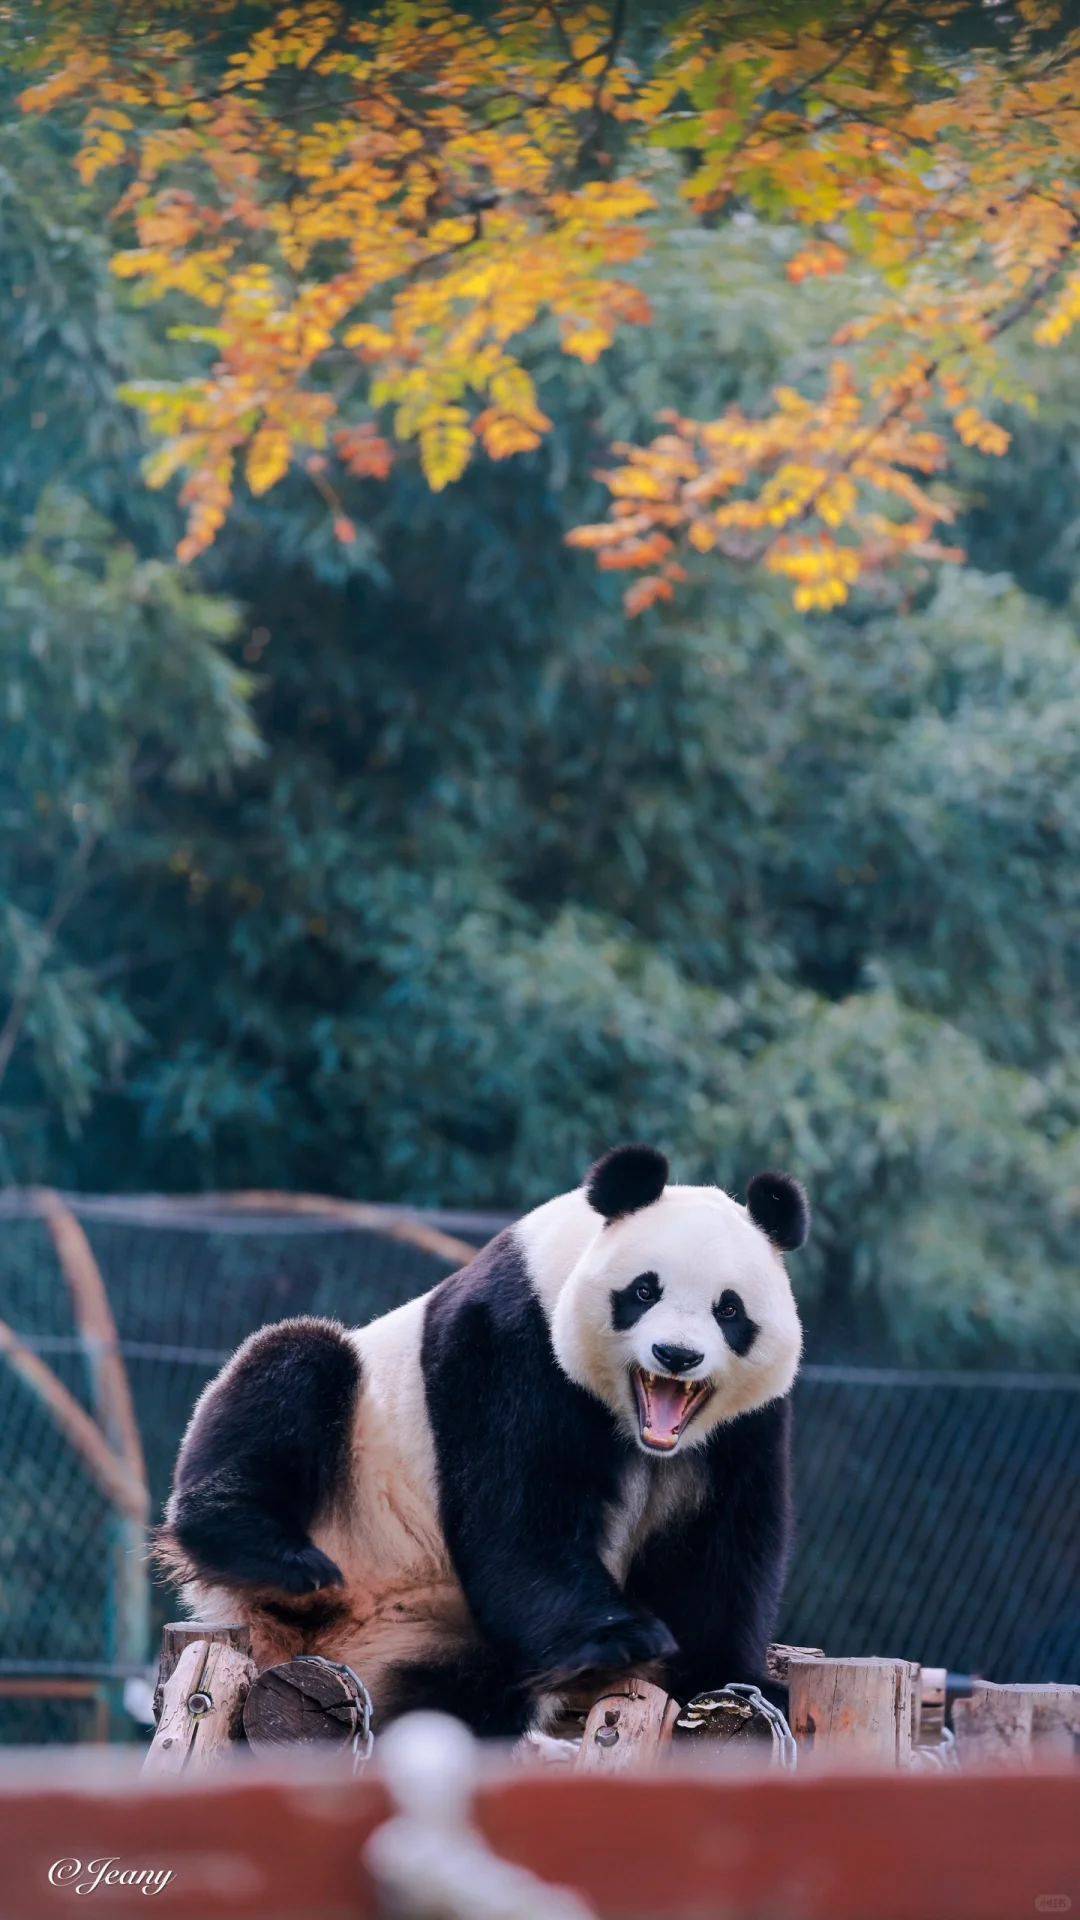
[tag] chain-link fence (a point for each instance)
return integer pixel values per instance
(939, 1514)
(939, 1519)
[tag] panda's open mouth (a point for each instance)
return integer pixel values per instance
(666, 1406)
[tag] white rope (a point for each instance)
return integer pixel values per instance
(430, 1863)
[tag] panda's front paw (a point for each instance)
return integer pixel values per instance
(306, 1570)
(630, 1640)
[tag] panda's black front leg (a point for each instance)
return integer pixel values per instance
(718, 1578)
(265, 1455)
(527, 1464)
(556, 1612)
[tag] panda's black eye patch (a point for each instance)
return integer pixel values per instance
(629, 1303)
(734, 1322)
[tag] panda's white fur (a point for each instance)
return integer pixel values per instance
(401, 1603)
(403, 1600)
(701, 1242)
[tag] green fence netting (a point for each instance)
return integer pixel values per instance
(938, 1513)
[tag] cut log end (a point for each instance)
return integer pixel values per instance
(301, 1703)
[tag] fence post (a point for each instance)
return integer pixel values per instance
(852, 1710)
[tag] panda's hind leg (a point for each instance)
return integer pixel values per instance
(267, 1455)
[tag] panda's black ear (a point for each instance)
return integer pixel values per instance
(777, 1204)
(625, 1180)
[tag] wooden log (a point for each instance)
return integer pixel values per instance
(178, 1634)
(176, 1727)
(857, 1711)
(301, 1703)
(1011, 1726)
(1055, 1723)
(202, 1703)
(629, 1726)
(714, 1725)
(993, 1727)
(778, 1660)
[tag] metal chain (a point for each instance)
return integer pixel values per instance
(363, 1739)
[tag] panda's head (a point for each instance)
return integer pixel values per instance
(679, 1314)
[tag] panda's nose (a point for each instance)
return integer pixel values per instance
(677, 1359)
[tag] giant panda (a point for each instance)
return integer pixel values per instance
(570, 1457)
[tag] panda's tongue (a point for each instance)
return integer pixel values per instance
(663, 1405)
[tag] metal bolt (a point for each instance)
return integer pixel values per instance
(606, 1736)
(199, 1704)
(168, 1742)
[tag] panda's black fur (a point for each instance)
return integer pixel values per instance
(522, 1504)
(778, 1205)
(268, 1457)
(625, 1180)
(530, 1466)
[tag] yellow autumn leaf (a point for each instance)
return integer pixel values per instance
(505, 435)
(440, 193)
(703, 535)
(446, 444)
(837, 501)
(371, 341)
(267, 459)
(160, 467)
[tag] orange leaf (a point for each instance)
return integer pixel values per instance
(645, 593)
(364, 451)
(817, 261)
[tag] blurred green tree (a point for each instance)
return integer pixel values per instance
(115, 682)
